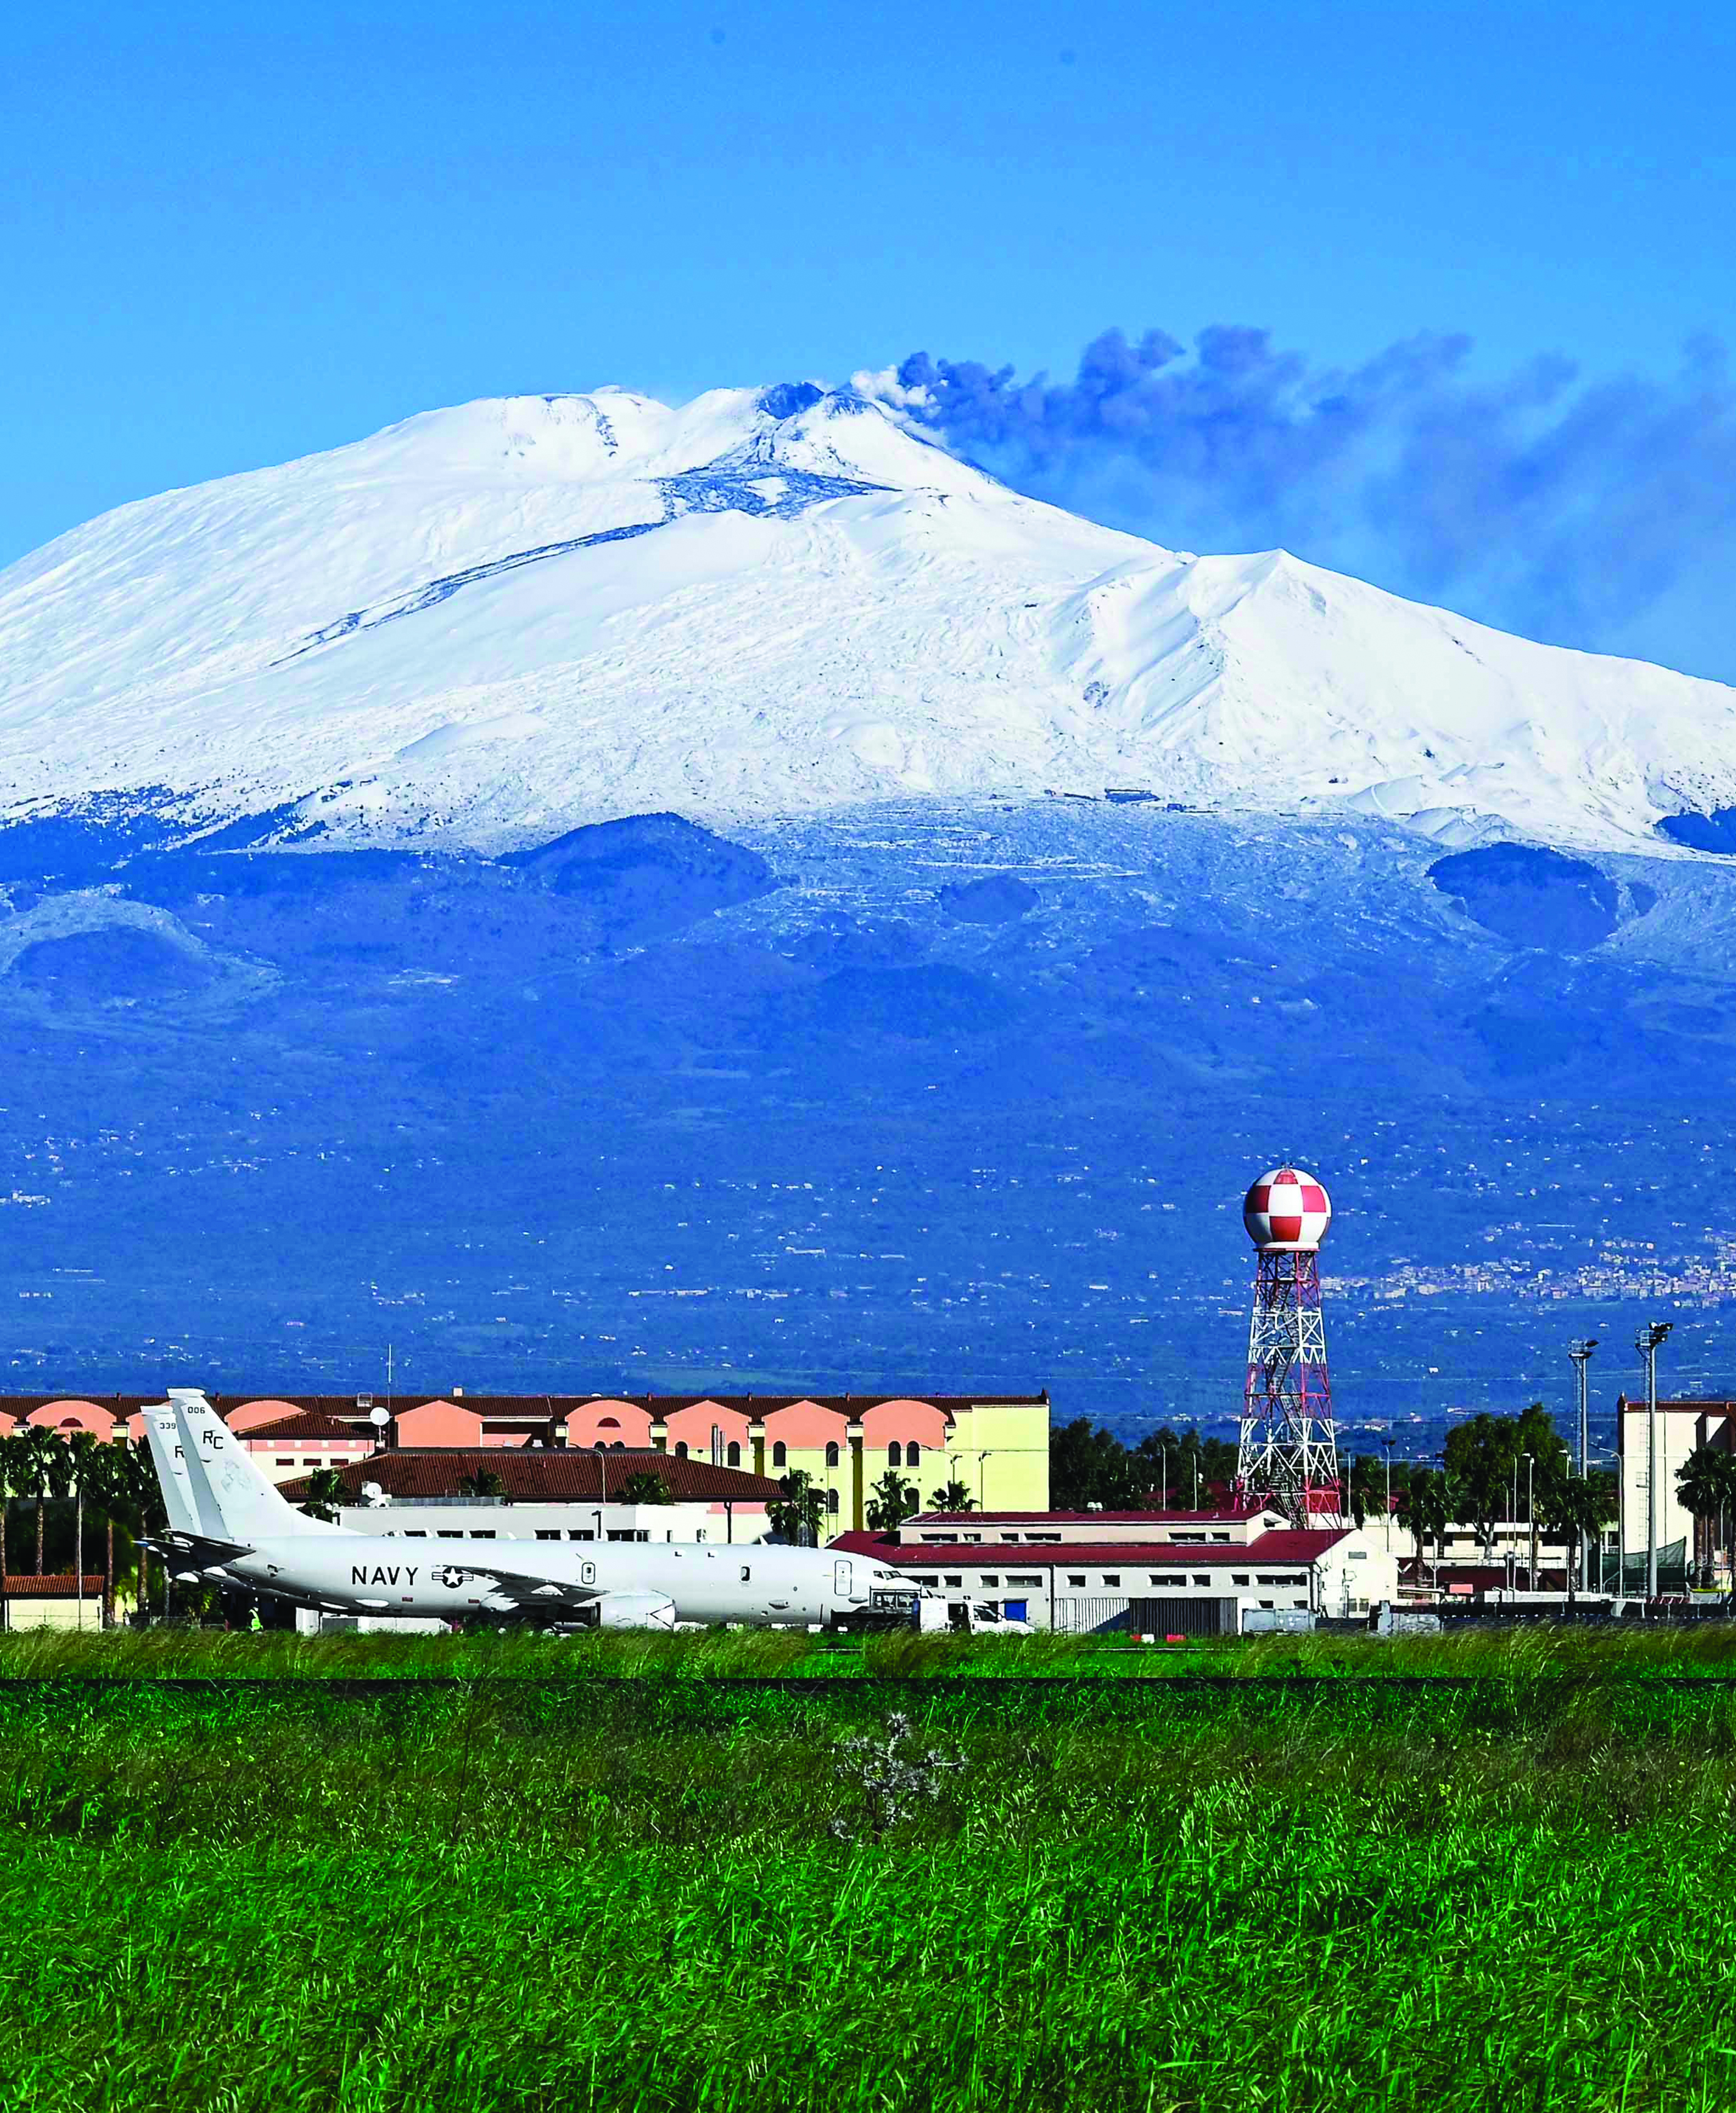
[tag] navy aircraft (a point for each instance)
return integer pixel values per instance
(228, 1524)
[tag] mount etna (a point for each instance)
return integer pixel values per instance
(597, 894)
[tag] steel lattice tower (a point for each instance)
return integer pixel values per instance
(1288, 1454)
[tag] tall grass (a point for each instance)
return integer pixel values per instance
(1536, 1652)
(1140, 1894)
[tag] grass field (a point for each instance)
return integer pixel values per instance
(652, 1873)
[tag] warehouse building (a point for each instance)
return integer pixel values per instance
(1161, 1573)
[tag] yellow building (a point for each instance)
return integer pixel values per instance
(997, 1447)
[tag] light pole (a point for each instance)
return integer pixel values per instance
(1647, 1342)
(1531, 1525)
(1581, 1354)
(1386, 1447)
(1567, 1568)
(1164, 1497)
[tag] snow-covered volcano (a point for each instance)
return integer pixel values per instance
(491, 623)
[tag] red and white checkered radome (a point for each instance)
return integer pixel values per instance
(1287, 1210)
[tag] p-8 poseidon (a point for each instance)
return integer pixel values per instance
(230, 1525)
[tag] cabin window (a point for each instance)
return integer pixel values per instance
(732, 1455)
(780, 1453)
(912, 1455)
(548, 1533)
(746, 1573)
(894, 1455)
(831, 1453)
(482, 1533)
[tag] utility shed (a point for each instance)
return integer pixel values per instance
(53, 1602)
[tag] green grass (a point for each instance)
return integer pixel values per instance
(1507, 1890)
(1529, 1652)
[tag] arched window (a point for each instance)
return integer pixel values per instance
(733, 1457)
(894, 1455)
(617, 1447)
(912, 1455)
(832, 1503)
(780, 1453)
(680, 1449)
(831, 1453)
(599, 1447)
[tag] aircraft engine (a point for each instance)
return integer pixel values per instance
(634, 1610)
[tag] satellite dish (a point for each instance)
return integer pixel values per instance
(372, 1493)
(379, 1418)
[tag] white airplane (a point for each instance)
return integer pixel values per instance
(230, 1524)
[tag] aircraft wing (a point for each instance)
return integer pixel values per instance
(520, 1587)
(201, 1549)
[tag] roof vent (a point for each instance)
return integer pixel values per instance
(364, 1401)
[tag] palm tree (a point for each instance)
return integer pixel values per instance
(140, 1494)
(795, 1515)
(44, 1457)
(1576, 1509)
(12, 1485)
(109, 1485)
(83, 1474)
(891, 1501)
(326, 1490)
(642, 1486)
(954, 1497)
(1706, 1483)
(1424, 1510)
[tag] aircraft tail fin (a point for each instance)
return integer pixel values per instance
(162, 1434)
(234, 1499)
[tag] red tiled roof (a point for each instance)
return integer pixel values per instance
(554, 1476)
(1290, 1546)
(1152, 1518)
(65, 1587)
(301, 1429)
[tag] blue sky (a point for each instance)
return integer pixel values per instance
(235, 235)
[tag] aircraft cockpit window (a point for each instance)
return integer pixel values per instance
(745, 1573)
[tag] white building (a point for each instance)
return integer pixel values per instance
(1683, 1427)
(1151, 1572)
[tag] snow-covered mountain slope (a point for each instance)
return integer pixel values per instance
(491, 623)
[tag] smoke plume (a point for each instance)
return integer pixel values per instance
(1591, 513)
